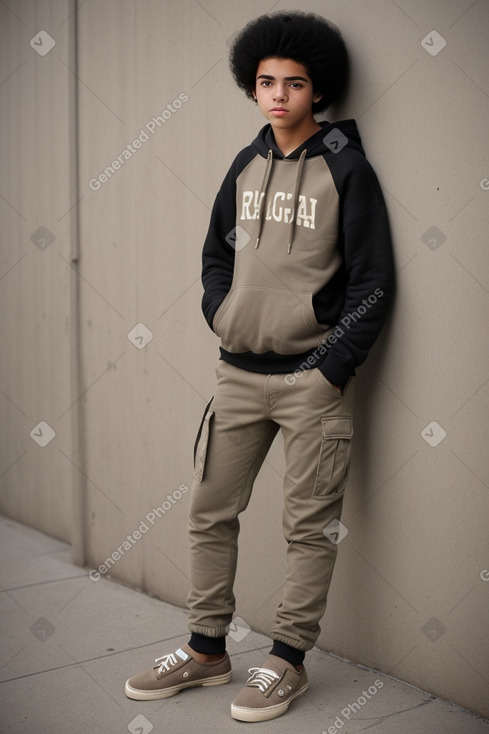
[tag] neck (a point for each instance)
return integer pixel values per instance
(288, 139)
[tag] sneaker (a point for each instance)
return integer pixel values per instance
(269, 691)
(176, 671)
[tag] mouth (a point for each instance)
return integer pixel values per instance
(278, 111)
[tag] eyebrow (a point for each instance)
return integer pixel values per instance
(286, 78)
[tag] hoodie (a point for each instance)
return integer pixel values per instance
(297, 265)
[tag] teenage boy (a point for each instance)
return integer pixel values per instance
(298, 276)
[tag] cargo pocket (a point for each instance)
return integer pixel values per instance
(334, 458)
(201, 442)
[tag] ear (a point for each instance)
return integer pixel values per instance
(317, 96)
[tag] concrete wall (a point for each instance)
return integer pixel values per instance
(37, 283)
(410, 590)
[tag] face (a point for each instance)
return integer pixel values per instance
(284, 93)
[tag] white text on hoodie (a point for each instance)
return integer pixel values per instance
(306, 210)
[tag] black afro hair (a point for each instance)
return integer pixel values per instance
(306, 38)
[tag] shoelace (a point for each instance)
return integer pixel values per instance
(262, 678)
(167, 661)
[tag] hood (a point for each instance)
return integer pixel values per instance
(266, 146)
(315, 145)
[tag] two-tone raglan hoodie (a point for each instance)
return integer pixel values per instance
(297, 263)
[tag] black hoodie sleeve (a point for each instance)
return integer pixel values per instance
(218, 253)
(368, 261)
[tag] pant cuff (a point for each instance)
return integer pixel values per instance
(303, 645)
(219, 631)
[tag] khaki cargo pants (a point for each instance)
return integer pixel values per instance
(236, 433)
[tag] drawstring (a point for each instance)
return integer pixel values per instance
(300, 166)
(263, 194)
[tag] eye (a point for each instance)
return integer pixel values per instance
(265, 83)
(296, 85)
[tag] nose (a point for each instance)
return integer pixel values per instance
(280, 93)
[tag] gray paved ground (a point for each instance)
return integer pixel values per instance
(68, 645)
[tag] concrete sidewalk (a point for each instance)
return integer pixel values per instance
(69, 643)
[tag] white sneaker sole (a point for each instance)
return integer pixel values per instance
(265, 714)
(153, 695)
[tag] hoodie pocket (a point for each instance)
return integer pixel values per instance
(262, 319)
